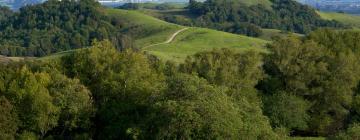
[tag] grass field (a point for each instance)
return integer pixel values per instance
(195, 40)
(347, 19)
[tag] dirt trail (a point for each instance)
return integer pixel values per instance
(171, 38)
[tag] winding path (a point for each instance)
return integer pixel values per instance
(171, 38)
(4, 59)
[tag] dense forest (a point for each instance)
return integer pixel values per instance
(56, 26)
(304, 87)
(236, 17)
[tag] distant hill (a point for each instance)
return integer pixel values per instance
(16, 4)
(277, 14)
(247, 17)
(345, 6)
(347, 19)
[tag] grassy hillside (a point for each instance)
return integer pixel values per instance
(199, 39)
(185, 43)
(347, 19)
(150, 30)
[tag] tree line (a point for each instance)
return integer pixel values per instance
(236, 17)
(305, 86)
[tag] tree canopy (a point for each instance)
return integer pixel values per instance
(55, 26)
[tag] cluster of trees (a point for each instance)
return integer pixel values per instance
(56, 26)
(303, 87)
(38, 102)
(101, 93)
(312, 83)
(235, 17)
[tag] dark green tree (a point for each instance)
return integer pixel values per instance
(8, 120)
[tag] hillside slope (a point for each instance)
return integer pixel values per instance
(147, 30)
(347, 19)
(196, 40)
(185, 43)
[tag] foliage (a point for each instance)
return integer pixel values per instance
(123, 85)
(5, 13)
(236, 74)
(55, 26)
(8, 119)
(287, 111)
(352, 133)
(320, 72)
(136, 99)
(284, 15)
(39, 108)
(199, 109)
(224, 67)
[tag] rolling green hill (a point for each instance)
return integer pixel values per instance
(200, 39)
(347, 19)
(149, 30)
(185, 43)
